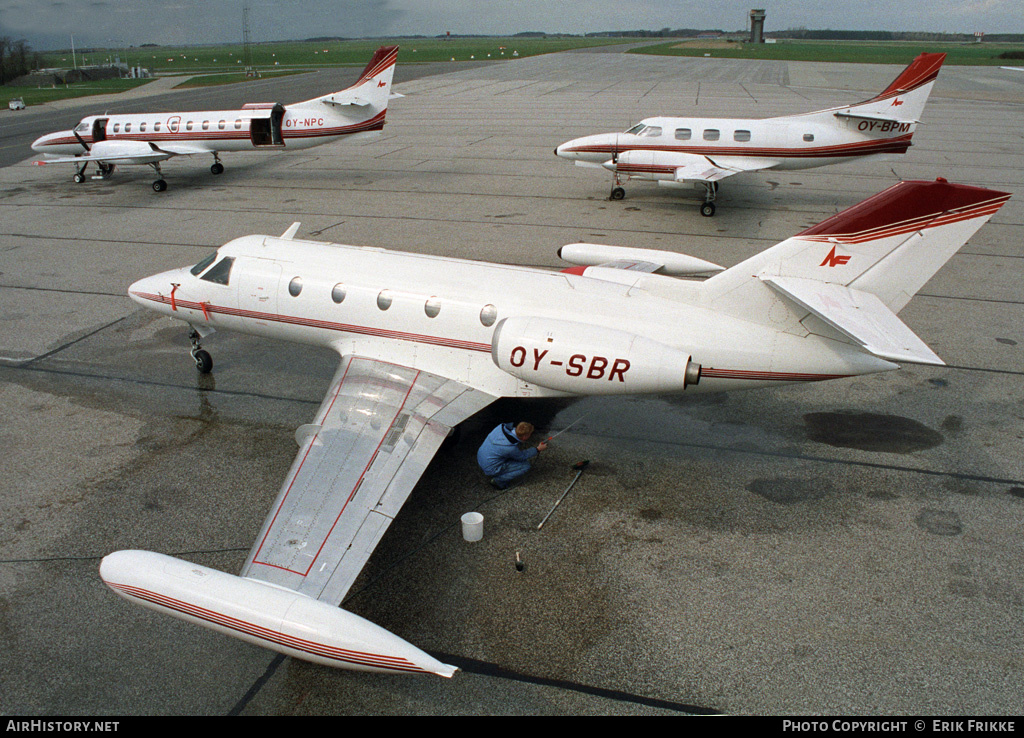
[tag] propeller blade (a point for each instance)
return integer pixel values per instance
(81, 141)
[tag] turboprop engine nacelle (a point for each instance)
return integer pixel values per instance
(672, 264)
(579, 358)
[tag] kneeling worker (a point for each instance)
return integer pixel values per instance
(501, 457)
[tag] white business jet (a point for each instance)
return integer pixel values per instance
(425, 342)
(151, 138)
(680, 152)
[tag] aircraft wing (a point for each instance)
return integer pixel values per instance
(374, 435)
(142, 158)
(128, 152)
(712, 169)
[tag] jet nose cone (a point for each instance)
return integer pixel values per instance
(149, 291)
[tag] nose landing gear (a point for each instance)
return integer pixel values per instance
(204, 362)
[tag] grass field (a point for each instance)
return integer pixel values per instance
(40, 95)
(316, 55)
(847, 52)
(211, 80)
(224, 65)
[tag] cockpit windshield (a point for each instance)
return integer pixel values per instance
(642, 129)
(83, 127)
(198, 268)
(221, 272)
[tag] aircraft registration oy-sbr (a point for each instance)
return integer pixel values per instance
(424, 342)
(151, 138)
(680, 152)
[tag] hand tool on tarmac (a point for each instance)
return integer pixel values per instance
(579, 466)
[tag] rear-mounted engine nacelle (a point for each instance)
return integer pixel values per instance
(580, 358)
(670, 263)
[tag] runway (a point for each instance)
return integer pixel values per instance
(849, 547)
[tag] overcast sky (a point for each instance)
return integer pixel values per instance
(114, 23)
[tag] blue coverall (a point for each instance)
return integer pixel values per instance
(501, 458)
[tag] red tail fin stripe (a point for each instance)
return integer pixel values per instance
(933, 220)
(924, 69)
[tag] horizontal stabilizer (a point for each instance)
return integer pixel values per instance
(880, 118)
(339, 100)
(858, 315)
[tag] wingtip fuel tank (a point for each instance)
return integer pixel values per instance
(263, 614)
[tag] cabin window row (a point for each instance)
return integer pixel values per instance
(713, 134)
(173, 127)
(432, 307)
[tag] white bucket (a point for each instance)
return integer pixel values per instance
(472, 526)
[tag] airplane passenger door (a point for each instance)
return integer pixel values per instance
(265, 129)
(99, 130)
(258, 282)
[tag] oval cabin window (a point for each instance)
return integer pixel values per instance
(295, 286)
(432, 307)
(488, 315)
(384, 300)
(338, 293)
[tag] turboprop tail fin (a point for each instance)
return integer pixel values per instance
(857, 269)
(903, 101)
(369, 95)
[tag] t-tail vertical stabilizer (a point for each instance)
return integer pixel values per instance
(368, 96)
(903, 100)
(857, 269)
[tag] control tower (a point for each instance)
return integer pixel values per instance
(757, 26)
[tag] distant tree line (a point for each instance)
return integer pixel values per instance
(830, 35)
(663, 33)
(16, 59)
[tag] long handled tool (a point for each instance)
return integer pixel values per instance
(556, 435)
(579, 467)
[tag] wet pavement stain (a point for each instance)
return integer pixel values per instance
(871, 432)
(787, 491)
(939, 522)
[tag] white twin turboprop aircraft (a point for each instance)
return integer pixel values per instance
(425, 342)
(150, 138)
(702, 151)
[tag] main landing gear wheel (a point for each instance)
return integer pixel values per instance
(217, 168)
(159, 186)
(204, 362)
(79, 178)
(707, 209)
(617, 193)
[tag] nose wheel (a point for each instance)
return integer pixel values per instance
(216, 167)
(617, 193)
(204, 362)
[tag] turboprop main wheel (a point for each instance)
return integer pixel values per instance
(707, 209)
(217, 168)
(79, 178)
(617, 193)
(204, 362)
(159, 186)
